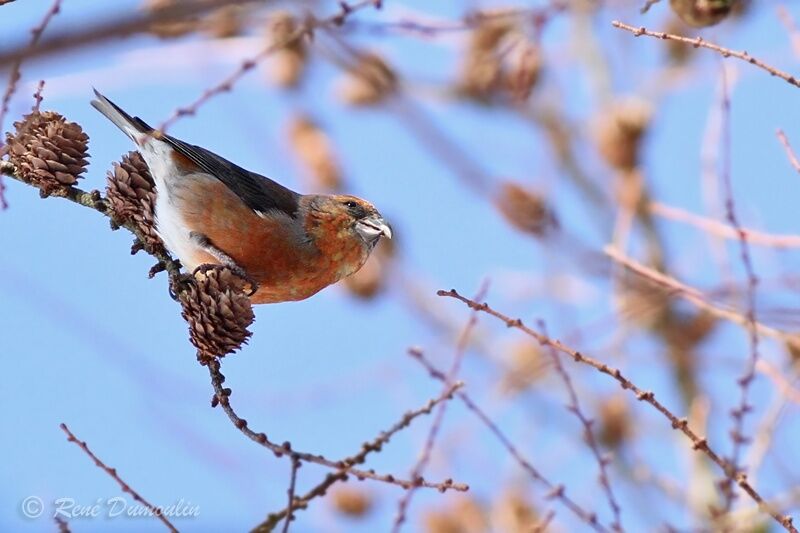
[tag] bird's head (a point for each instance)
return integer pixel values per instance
(344, 216)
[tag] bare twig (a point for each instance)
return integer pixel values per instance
(117, 28)
(37, 97)
(296, 464)
(787, 20)
(647, 5)
(374, 445)
(697, 298)
(95, 201)
(681, 424)
(535, 16)
(780, 381)
(556, 491)
(113, 473)
(542, 525)
(574, 407)
(422, 462)
(63, 525)
(14, 77)
(306, 29)
(789, 152)
(223, 399)
(698, 42)
(723, 230)
(738, 413)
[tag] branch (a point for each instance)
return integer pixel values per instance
(789, 152)
(95, 201)
(698, 42)
(14, 77)
(117, 28)
(222, 398)
(556, 491)
(647, 5)
(680, 424)
(306, 29)
(113, 473)
(574, 407)
(447, 384)
(697, 298)
(738, 413)
(373, 446)
(720, 229)
(296, 464)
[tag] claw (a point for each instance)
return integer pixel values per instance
(202, 269)
(155, 269)
(182, 279)
(236, 269)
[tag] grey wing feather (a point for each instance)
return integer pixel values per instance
(258, 192)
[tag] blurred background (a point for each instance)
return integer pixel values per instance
(508, 143)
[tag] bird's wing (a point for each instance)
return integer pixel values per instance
(259, 192)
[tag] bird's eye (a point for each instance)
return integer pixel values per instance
(351, 204)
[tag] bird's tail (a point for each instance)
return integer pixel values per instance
(133, 127)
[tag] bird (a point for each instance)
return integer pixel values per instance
(210, 211)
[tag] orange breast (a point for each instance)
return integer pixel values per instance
(267, 248)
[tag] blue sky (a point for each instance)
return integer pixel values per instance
(88, 340)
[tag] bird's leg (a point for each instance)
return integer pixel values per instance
(223, 258)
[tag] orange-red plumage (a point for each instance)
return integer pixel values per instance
(211, 211)
(266, 247)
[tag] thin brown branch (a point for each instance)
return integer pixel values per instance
(428, 28)
(697, 298)
(720, 229)
(296, 464)
(113, 473)
(698, 42)
(647, 5)
(789, 152)
(574, 407)
(427, 450)
(367, 448)
(95, 201)
(13, 80)
(120, 27)
(544, 523)
(61, 523)
(794, 34)
(681, 424)
(16, 74)
(222, 398)
(738, 414)
(37, 97)
(555, 491)
(779, 379)
(303, 30)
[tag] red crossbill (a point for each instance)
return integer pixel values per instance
(210, 211)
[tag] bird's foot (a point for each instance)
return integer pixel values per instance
(178, 284)
(236, 269)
